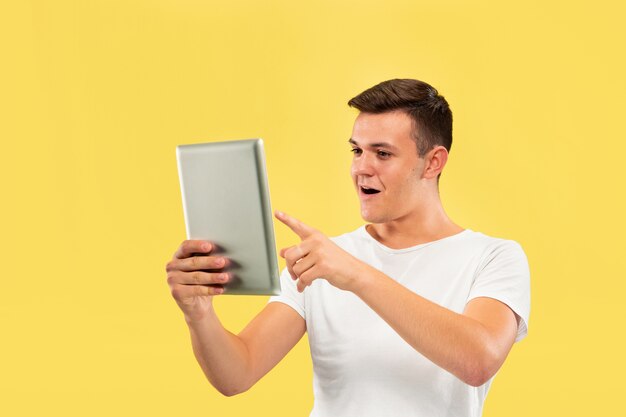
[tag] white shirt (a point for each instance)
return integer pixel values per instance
(362, 367)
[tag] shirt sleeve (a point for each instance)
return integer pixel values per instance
(505, 276)
(289, 294)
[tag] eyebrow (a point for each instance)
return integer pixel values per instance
(375, 145)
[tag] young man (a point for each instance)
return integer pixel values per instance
(409, 315)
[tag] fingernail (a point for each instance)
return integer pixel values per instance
(219, 290)
(280, 213)
(219, 262)
(206, 247)
(224, 277)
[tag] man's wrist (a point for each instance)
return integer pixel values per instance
(361, 277)
(199, 318)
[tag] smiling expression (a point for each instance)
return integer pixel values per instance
(386, 170)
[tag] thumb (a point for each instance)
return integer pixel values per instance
(284, 250)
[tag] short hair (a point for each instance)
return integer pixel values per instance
(430, 112)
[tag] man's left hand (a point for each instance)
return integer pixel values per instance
(318, 257)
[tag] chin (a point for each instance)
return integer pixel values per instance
(375, 218)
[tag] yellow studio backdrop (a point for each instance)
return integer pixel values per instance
(95, 95)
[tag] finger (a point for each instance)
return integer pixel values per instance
(310, 275)
(198, 278)
(189, 247)
(196, 263)
(293, 254)
(303, 265)
(283, 250)
(301, 285)
(203, 290)
(299, 228)
(292, 274)
(181, 292)
(290, 269)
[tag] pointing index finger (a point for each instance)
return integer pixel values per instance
(294, 224)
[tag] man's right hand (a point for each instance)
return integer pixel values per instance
(232, 363)
(194, 277)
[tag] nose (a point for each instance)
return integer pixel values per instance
(363, 165)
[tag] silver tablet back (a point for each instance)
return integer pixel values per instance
(226, 201)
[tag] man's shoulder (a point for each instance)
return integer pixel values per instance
(494, 241)
(492, 247)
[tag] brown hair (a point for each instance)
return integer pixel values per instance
(432, 117)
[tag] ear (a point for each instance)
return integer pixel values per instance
(436, 160)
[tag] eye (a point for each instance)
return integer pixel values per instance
(355, 151)
(384, 154)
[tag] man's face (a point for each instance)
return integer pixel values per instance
(386, 169)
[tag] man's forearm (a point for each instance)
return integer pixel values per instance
(222, 356)
(455, 342)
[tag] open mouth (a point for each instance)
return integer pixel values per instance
(367, 190)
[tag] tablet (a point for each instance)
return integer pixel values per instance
(226, 201)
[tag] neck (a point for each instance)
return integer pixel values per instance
(426, 223)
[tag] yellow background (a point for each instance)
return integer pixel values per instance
(95, 95)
